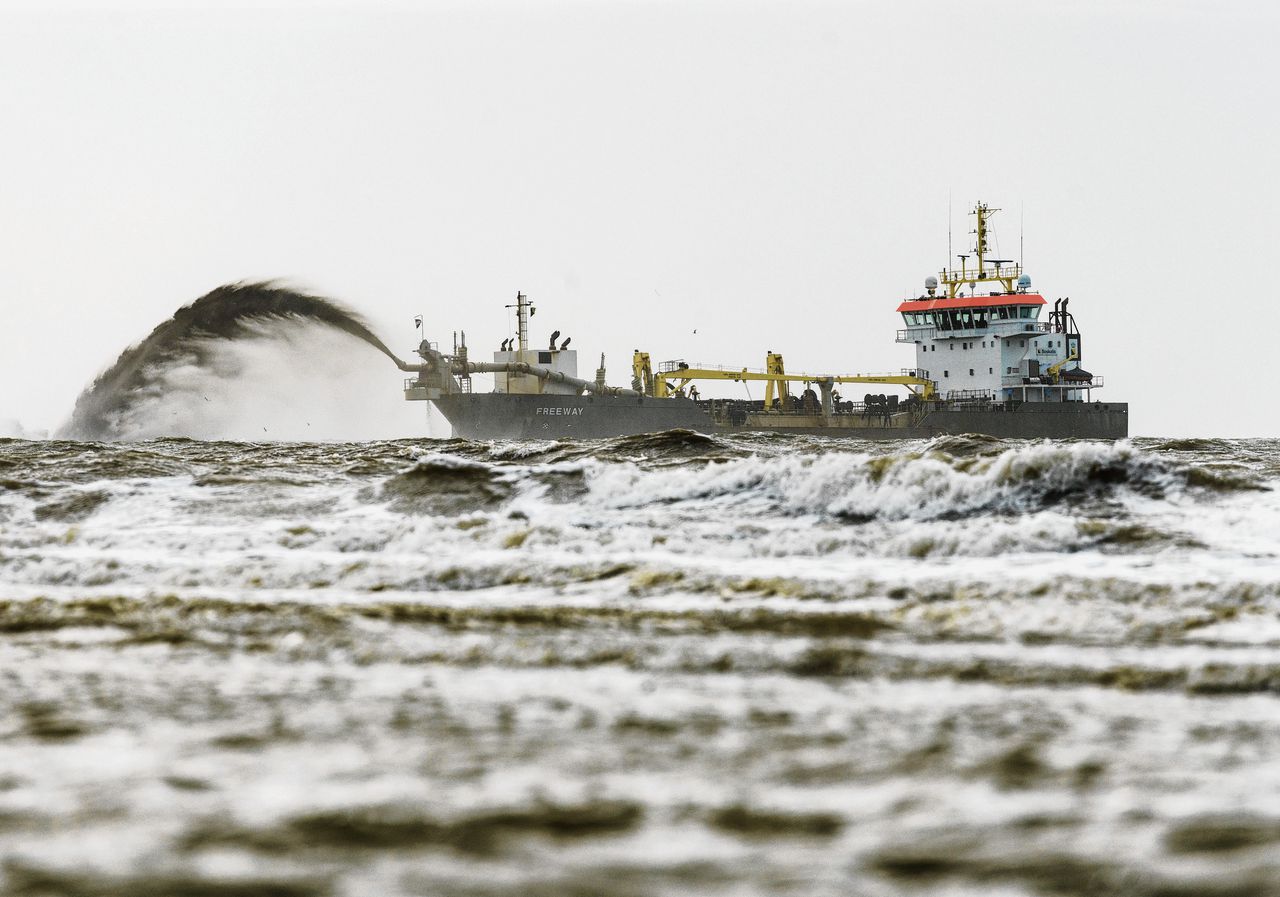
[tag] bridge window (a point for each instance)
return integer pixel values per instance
(1004, 312)
(1027, 311)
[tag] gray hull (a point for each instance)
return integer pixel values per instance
(504, 416)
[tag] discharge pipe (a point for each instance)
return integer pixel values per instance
(521, 367)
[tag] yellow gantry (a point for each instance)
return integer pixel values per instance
(641, 373)
(773, 365)
(668, 383)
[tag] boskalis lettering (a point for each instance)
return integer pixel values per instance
(558, 409)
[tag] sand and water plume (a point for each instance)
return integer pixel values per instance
(187, 357)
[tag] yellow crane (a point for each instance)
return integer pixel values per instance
(1053, 370)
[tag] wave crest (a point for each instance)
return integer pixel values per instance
(927, 484)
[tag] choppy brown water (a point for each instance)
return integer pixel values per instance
(667, 665)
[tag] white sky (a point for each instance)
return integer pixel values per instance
(775, 175)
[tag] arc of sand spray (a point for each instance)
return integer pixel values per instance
(222, 313)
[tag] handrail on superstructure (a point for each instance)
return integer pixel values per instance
(928, 331)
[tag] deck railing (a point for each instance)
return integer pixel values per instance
(678, 364)
(1014, 381)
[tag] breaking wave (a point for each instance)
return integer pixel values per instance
(464, 515)
(949, 478)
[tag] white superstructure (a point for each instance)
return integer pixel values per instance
(993, 345)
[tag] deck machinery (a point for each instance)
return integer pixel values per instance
(985, 363)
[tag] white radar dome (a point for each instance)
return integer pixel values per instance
(1023, 282)
(931, 283)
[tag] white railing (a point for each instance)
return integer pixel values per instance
(968, 274)
(1014, 381)
(991, 329)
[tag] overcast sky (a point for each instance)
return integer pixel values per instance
(774, 175)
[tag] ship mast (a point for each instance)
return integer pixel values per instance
(1002, 273)
(524, 310)
(981, 248)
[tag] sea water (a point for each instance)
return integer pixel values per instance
(664, 665)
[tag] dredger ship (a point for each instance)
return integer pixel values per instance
(985, 362)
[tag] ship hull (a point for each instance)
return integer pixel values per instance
(505, 416)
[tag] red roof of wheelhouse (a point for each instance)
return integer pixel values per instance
(942, 303)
